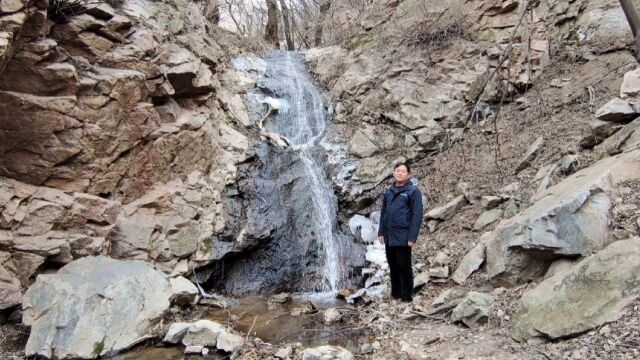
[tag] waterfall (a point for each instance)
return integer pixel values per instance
(284, 204)
(303, 122)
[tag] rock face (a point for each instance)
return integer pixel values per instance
(570, 219)
(94, 306)
(587, 295)
(120, 131)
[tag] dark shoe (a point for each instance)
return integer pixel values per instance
(407, 300)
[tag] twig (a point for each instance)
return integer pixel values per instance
(251, 328)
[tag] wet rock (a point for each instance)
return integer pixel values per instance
(448, 210)
(305, 309)
(110, 305)
(474, 309)
(616, 110)
(569, 219)
(282, 298)
(589, 294)
(531, 154)
(487, 218)
(331, 315)
(327, 352)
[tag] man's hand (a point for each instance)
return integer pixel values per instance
(381, 240)
(411, 243)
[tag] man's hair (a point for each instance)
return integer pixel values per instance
(403, 164)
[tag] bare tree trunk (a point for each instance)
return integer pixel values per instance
(287, 26)
(235, 21)
(634, 22)
(324, 9)
(271, 30)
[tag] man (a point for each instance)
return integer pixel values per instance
(399, 227)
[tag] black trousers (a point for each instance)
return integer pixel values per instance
(399, 259)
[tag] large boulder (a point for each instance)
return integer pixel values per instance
(569, 219)
(94, 306)
(587, 295)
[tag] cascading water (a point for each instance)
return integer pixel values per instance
(288, 207)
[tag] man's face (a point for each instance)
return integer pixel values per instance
(401, 174)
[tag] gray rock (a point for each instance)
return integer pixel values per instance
(490, 202)
(570, 219)
(589, 294)
(94, 306)
(193, 349)
(569, 164)
(616, 110)
(229, 342)
(421, 279)
(627, 139)
(176, 332)
(511, 208)
(327, 352)
(487, 218)
(362, 146)
(185, 292)
(432, 225)
(284, 353)
(531, 154)
(331, 315)
(557, 266)
(203, 332)
(472, 261)
(448, 295)
(630, 84)
(474, 309)
(439, 272)
(599, 131)
(448, 210)
(441, 259)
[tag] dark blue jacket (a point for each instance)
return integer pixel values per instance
(401, 214)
